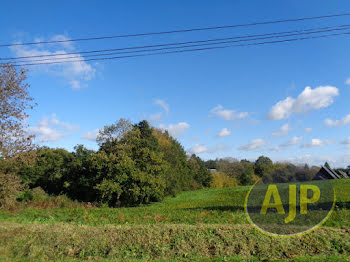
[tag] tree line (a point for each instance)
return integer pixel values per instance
(135, 163)
(246, 172)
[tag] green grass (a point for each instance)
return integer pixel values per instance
(208, 206)
(212, 206)
(196, 225)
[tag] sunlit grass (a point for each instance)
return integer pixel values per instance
(207, 206)
(193, 226)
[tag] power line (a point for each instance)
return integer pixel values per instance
(182, 44)
(187, 50)
(189, 46)
(179, 31)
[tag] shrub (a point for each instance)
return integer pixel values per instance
(10, 188)
(25, 196)
(221, 180)
(38, 193)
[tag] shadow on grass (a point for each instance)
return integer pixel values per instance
(338, 206)
(219, 208)
(342, 205)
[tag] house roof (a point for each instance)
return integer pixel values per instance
(326, 173)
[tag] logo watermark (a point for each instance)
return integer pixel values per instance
(289, 209)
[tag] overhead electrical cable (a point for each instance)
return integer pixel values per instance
(186, 50)
(179, 44)
(185, 46)
(179, 31)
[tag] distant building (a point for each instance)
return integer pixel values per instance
(329, 173)
(342, 173)
(213, 170)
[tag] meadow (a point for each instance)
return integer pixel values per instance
(207, 224)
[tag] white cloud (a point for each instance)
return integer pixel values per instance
(347, 81)
(75, 74)
(158, 116)
(309, 99)
(295, 140)
(275, 148)
(336, 123)
(308, 130)
(224, 132)
(176, 130)
(283, 131)
(218, 148)
(51, 129)
(315, 142)
(341, 160)
(254, 144)
(198, 149)
(162, 104)
(155, 117)
(75, 84)
(92, 135)
(346, 142)
(226, 114)
(46, 133)
(67, 45)
(313, 160)
(65, 125)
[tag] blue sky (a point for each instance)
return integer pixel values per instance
(287, 101)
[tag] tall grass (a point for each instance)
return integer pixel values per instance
(195, 225)
(180, 242)
(207, 206)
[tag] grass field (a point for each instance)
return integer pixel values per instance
(196, 225)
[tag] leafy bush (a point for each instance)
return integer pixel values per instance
(221, 180)
(242, 171)
(10, 188)
(49, 171)
(25, 196)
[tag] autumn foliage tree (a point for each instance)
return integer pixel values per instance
(14, 102)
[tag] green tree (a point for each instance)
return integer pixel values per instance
(111, 134)
(179, 175)
(80, 179)
(246, 177)
(263, 165)
(50, 170)
(201, 174)
(132, 170)
(211, 164)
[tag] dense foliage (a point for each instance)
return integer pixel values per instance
(135, 164)
(245, 172)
